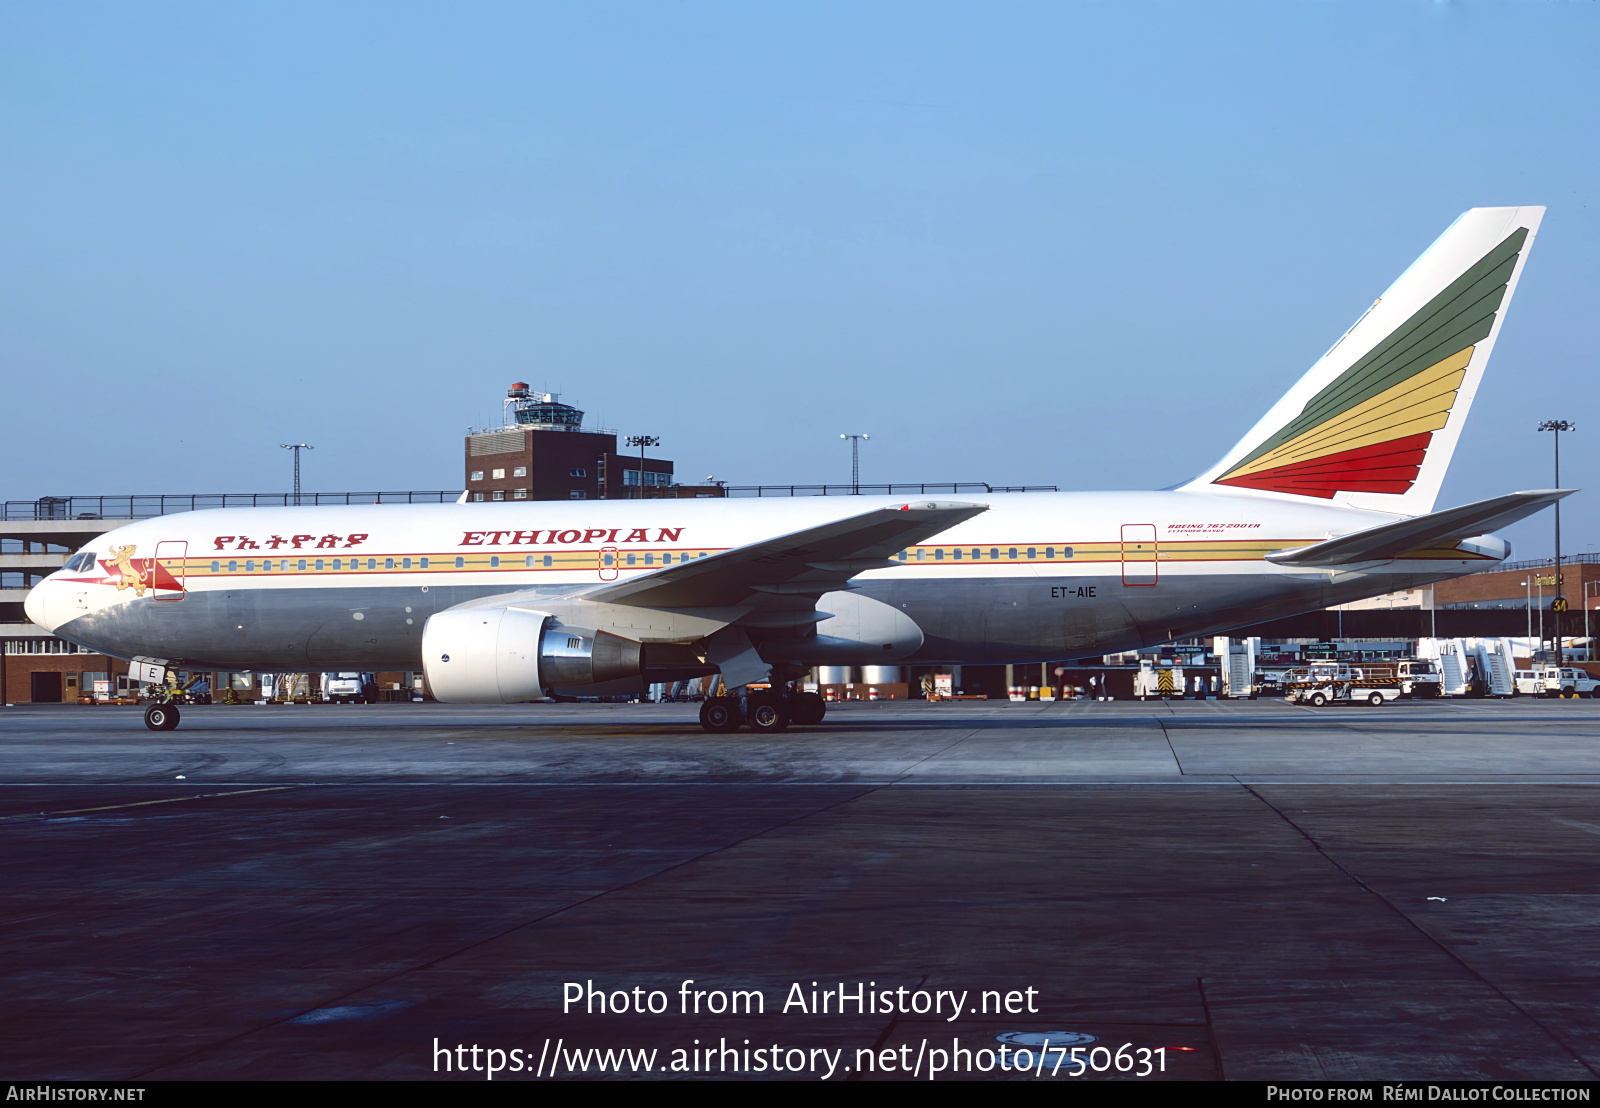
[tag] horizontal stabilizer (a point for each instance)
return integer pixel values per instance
(1391, 540)
(811, 562)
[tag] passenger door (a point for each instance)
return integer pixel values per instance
(1139, 554)
(167, 570)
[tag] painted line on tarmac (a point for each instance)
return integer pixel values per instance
(1020, 781)
(141, 803)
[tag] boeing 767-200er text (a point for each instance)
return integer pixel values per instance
(1329, 498)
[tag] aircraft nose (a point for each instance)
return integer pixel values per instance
(37, 605)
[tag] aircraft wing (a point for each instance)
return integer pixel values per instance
(1390, 540)
(804, 563)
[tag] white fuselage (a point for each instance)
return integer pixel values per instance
(1038, 576)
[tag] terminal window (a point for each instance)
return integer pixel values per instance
(499, 495)
(499, 473)
(519, 494)
(477, 475)
(578, 494)
(571, 473)
(520, 471)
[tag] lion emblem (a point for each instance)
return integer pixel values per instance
(127, 576)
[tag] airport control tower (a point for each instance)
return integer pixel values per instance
(542, 451)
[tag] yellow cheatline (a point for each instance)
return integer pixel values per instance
(1420, 403)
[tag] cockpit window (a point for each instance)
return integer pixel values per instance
(80, 562)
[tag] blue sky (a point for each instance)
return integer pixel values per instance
(1074, 244)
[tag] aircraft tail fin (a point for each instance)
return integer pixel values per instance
(1374, 422)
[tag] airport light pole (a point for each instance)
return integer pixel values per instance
(1587, 585)
(1539, 584)
(642, 441)
(297, 447)
(1558, 426)
(855, 462)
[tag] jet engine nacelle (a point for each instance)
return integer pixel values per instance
(509, 655)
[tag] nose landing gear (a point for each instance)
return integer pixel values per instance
(161, 717)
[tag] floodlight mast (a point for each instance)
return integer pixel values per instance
(297, 447)
(855, 462)
(642, 441)
(1558, 426)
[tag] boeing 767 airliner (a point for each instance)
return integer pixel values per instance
(1329, 498)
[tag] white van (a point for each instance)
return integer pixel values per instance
(349, 688)
(1565, 681)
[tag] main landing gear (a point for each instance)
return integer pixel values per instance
(161, 717)
(764, 711)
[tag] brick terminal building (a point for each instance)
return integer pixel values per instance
(1530, 585)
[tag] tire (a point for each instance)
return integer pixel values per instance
(1318, 700)
(766, 714)
(720, 715)
(1566, 692)
(809, 708)
(161, 717)
(1376, 700)
(1594, 693)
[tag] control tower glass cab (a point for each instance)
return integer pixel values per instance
(541, 411)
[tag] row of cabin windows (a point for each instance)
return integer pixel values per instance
(632, 558)
(530, 561)
(285, 565)
(977, 553)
